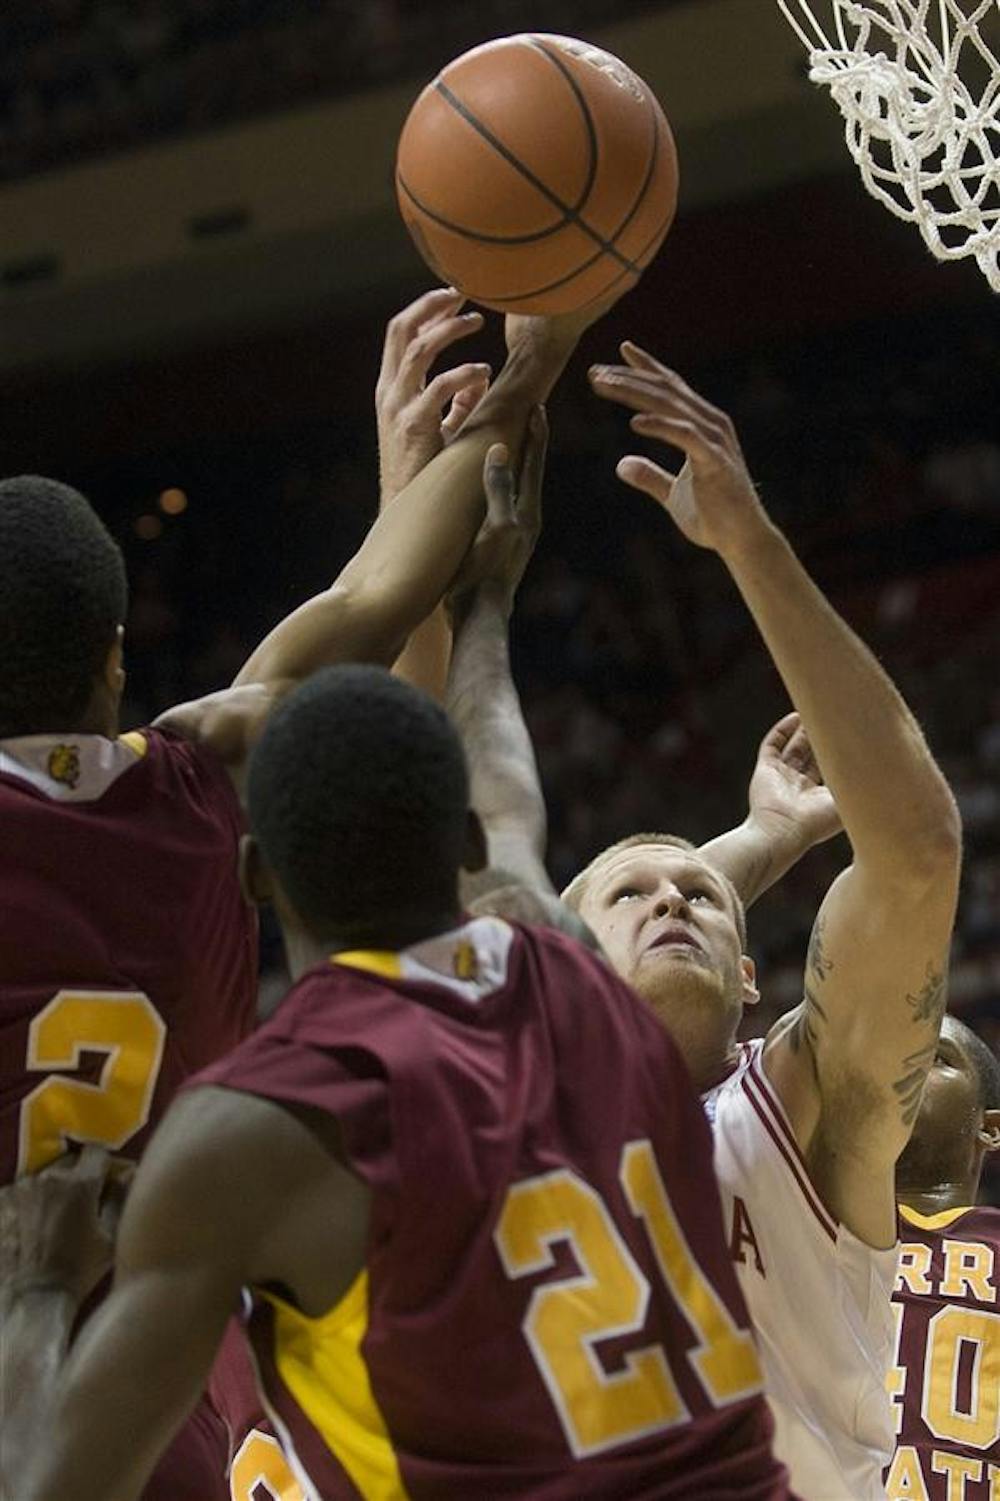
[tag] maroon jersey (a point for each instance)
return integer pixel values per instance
(945, 1384)
(257, 1466)
(548, 1308)
(127, 953)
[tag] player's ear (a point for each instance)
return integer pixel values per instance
(751, 994)
(255, 875)
(989, 1131)
(475, 854)
(114, 670)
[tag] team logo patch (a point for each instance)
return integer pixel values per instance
(465, 961)
(64, 764)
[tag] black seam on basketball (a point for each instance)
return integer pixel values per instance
(498, 146)
(640, 265)
(588, 118)
(653, 158)
(475, 234)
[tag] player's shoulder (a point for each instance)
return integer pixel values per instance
(186, 770)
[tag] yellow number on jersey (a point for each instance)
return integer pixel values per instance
(260, 1470)
(127, 1029)
(565, 1320)
(948, 1332)
(725, 1357)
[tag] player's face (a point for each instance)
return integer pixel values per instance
(668, 925)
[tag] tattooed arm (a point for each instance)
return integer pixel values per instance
(849, 1064)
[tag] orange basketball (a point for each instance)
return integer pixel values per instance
(537, 173)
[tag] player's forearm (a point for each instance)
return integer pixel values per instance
(127, 1388)
(410, 556)
(426, 657)
(482, 700)
(36, 1324)
(753, 856)
(895, 804)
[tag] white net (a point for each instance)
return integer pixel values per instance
(918, 83)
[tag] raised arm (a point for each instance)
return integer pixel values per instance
(850, 1064)
(416, 417)
(481, 697)
(232, 1190)
(404, 565)
(789, 810)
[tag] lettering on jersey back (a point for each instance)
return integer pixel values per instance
(968, 1271)
(742, 1238)
(905, 1479)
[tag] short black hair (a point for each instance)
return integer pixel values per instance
(62, 582)
(983, 1059)
(358, 798)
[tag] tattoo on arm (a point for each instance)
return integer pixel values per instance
(929, 1002)
(909, 1087)
(807, 1026)
(816, 958)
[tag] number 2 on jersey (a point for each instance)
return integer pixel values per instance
(566, 1319)
(127, 1029)
(260, 1471)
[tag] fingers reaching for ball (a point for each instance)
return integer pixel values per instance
(409, 405)
(712, 500)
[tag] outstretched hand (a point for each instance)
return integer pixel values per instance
(507, 537)
(787, 793)
(712, 499)
(58, 1227)
(413, 425)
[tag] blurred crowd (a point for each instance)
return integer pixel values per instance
(82, 77)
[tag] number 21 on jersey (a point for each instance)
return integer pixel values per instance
(129, 1032)
(567, 1319)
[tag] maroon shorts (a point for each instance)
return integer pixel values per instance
(195, 1467)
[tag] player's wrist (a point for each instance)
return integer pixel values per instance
(757, 545)
(779, 834)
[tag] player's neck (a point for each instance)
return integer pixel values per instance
(304, 951)
(933, 1199)
(89, 723)
(714, 1066)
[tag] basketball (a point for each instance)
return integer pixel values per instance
(537, 174)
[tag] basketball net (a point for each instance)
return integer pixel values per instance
(918, 84)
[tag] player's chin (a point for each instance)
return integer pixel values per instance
(674, 958)
(678, 973)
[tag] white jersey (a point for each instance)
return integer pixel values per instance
(818, 1296)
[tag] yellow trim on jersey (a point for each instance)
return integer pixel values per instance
(321, 1365)
(939, 1221)
(377, 961)
(135, 741)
